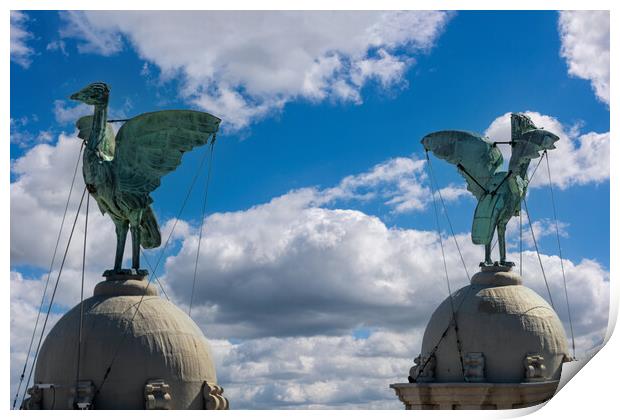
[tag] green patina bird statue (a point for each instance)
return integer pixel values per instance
(121, 171)
(499, 193)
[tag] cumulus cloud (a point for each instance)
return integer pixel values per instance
(25, 299)
(91, 37)
(401, 183)
(338, 372)
(579, 158)
(329, 267)
(23, 136)
(68, 112)
(585, 47)
(65, 112)
(546, 227)
(21, 52)
(542, 228)
(245, 65)
(38, 198)
(331, 271)
(57, 45)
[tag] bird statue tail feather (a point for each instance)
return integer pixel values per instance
(485, 219)
(149, 230)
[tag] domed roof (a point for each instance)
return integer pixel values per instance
(159, 343)
(505, 322)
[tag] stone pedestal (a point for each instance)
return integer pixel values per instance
(138, 351)
(494, 344)
(473, 396)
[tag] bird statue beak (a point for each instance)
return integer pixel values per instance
(75, 96)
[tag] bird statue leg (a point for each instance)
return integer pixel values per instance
(135, 220)
(121, 235)
(487, 256)
(501, 237)
(135, 247)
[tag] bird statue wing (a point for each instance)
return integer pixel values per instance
(151, 145)
(529, 145)
(476, 159)
(85, 126)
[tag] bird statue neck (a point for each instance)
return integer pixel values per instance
(100, 119)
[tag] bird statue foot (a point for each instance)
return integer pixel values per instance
(506, 264)
(486, 264)
(142, 272)
(114, 272)
(125, 274)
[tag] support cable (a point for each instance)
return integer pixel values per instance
(443, 204)
(79, 347)
(529, 218)
(185, 200)
(531, 177)
(462, 168)
(502, 182)
(521, 239)
(445, 332)
(159, 283)
(49, 308)
(49, 273)
(202, 220)
(445, 266)
(557, 235)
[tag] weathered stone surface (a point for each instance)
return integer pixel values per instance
(497, 277)
(160, 342)
(125, 288)
(503, 322)
(512, 347)
(473, 396)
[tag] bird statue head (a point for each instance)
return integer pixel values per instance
(94, 94)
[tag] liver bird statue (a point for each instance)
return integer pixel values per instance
(499, 193)
(121, 171)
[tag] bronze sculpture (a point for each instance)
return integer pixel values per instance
(499, 193)
(121, 171)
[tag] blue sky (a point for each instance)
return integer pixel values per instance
(466, 71)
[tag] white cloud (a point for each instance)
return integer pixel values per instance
(45, 136)
(68, 112)
(23, 136)
(92, 38)
(400, 182)
(386, 68)
(542, 228)
(337, 372)
(25, 299)
(245, 65)
(330, 270)
(547, 227)
(585, 47)
(38, 197)
(57, 45)
(64, 113)
(579, 158)
(21, 53)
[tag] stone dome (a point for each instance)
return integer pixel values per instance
(505, 322)
(160, 344)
